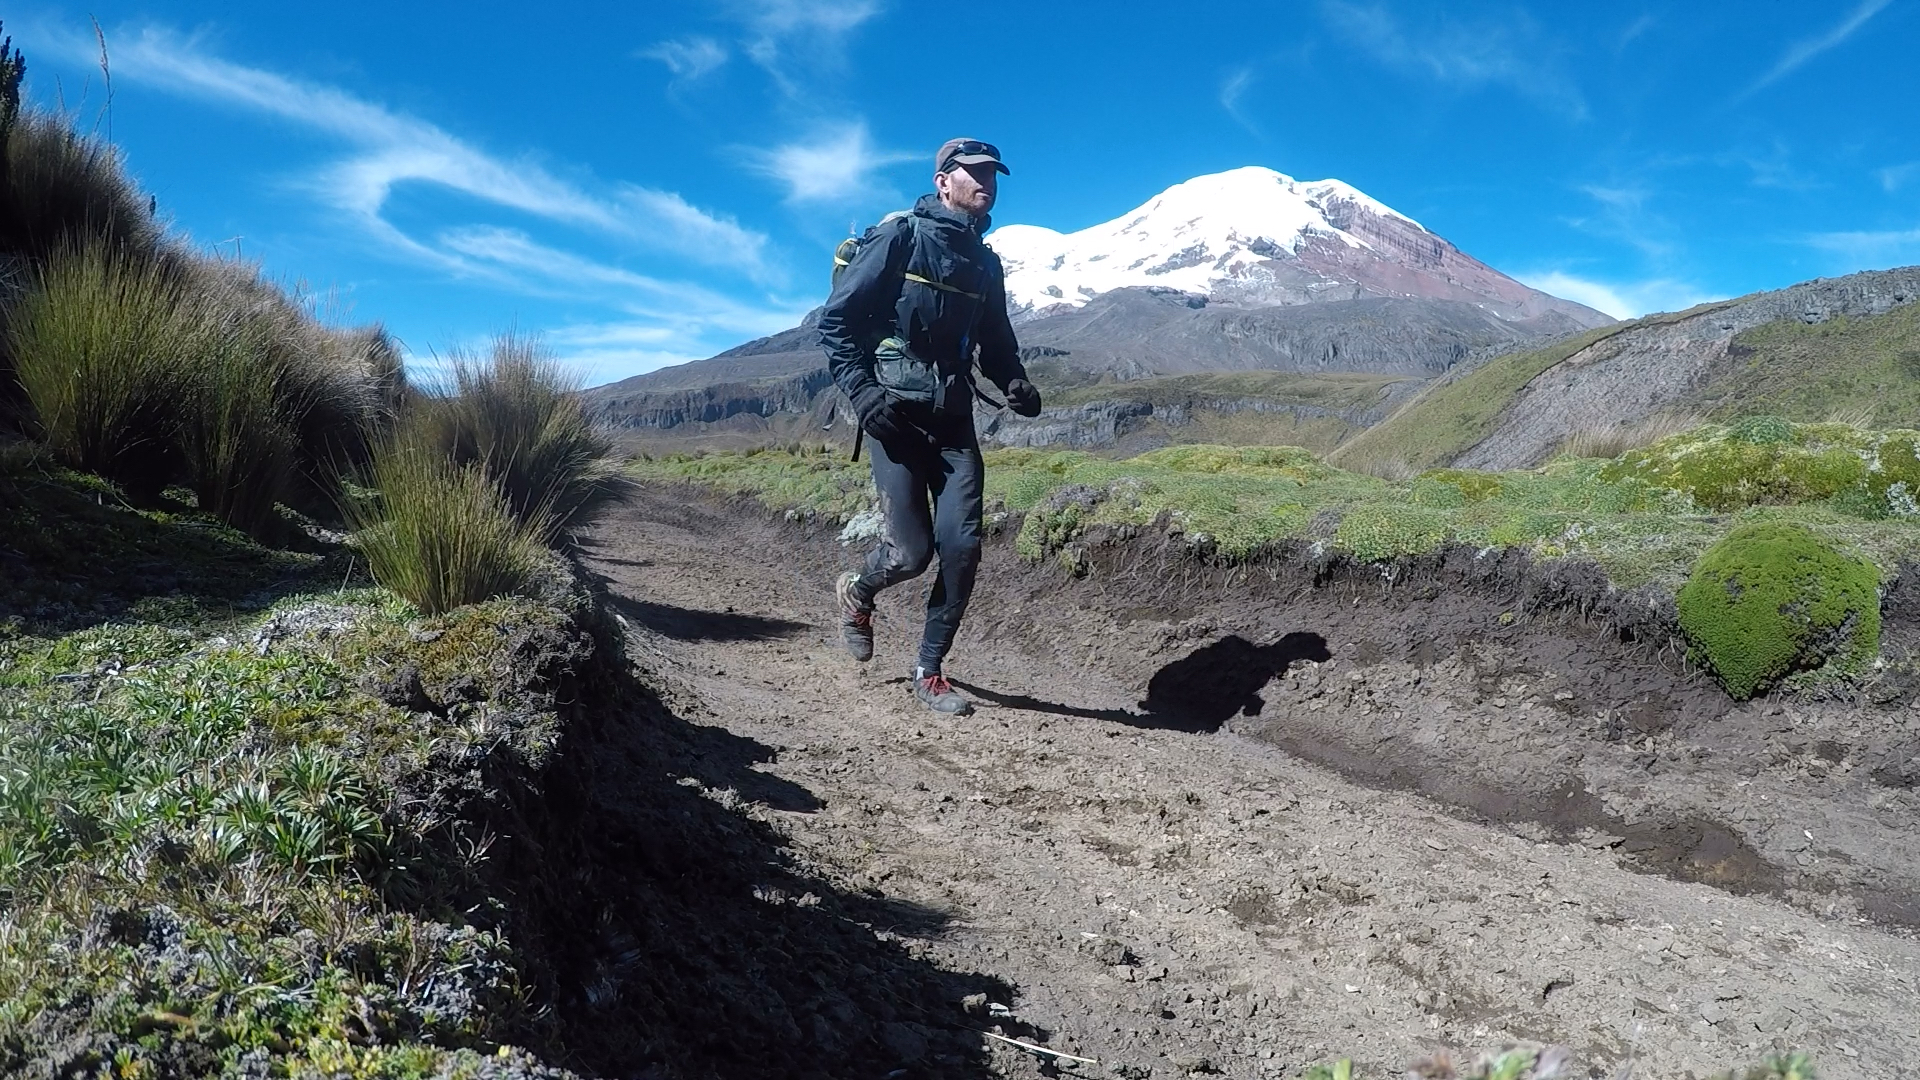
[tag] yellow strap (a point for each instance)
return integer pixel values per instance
(943, 286)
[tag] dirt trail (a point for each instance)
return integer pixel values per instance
(1171, 899)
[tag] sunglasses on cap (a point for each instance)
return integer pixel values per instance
(969, 152)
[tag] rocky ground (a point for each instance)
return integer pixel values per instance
(1211, 822)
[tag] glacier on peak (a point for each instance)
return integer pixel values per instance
(1193, 236)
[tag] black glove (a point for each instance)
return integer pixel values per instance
(885, 418)
(1023, 398)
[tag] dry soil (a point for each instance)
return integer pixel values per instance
(1211, 820)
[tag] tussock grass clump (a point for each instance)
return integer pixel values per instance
(442, 534)
(516, 414)
(192, 370)
(1610, 441)
(277, 405)
(64, 189)
(100, 345)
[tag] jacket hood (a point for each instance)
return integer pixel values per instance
(929, 205)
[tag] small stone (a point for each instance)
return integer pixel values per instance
(1713, 1012)
(1123, 972)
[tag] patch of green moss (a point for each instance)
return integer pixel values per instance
(72, 553)
(1049, 530)
(1767, 460)
(1771, 599)
(1380, 532)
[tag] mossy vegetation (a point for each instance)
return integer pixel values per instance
(1865, 368)
(1773, 598)
(1766, 459)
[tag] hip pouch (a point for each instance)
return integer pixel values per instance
(903, 375)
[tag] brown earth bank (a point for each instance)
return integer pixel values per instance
(1219, 820)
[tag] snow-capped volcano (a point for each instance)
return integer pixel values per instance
(1259, 237)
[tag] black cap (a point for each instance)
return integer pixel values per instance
(955, 152)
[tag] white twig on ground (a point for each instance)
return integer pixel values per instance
(1039, 1049)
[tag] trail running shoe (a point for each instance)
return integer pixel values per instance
(934, 691)
(856, 619)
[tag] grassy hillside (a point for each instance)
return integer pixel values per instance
(226, 834)
(1865, 369)
(1868, 368)
(1335, 391)
(1452, 415)
(235, 779)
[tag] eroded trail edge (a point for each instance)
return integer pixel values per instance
(1240, 820)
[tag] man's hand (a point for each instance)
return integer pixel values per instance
(885, 420)
(1023, 398)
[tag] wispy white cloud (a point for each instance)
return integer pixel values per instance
(392, 149)
(607, 352)
(1232, 89)
(816, 30)
(1867, 250)
(1515, 53)
(1894, 177)
(660, 322)
(1620, 299)
(836, 165)
(1802, 51)
(383, 151)
(1622, 215)
(1634, 30)
(688, 58)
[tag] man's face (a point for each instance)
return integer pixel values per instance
(969, 189)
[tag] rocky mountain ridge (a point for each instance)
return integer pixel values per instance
(1651, 366)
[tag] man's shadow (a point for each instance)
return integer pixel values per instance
(1204, 689)
(1197, 693)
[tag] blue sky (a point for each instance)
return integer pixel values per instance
(650, 183)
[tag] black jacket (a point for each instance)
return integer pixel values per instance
(872, 299)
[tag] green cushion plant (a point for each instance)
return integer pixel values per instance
(1771, 599)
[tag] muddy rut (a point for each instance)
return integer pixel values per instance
(1211, 821)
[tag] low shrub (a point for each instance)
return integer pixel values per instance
(193, 370)
(517, 415)
(442, 534)
(1771, 599)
